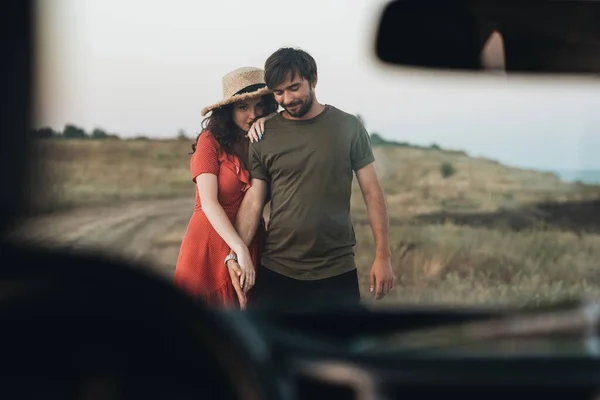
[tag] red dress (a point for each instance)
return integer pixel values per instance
(200, 270)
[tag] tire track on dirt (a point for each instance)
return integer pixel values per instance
(131, 230)
(146, 231)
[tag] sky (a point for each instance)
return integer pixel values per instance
(149, 67)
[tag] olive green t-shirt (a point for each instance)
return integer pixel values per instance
(309, 165)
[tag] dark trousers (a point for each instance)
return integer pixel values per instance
(273, 290)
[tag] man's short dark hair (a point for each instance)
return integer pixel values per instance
(287, 61)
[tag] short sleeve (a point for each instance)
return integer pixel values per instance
(361, 153)
(257, 168)
(206, 157)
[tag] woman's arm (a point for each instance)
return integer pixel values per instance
(208, 189)
(204, 166)
(243, 271)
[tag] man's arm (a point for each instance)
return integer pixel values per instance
(248, 217)
(382, 277)
(376, 209)
(251, 209)
(246, 224)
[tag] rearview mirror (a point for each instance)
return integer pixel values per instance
(525, 36)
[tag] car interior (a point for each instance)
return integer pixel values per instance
(65, 335)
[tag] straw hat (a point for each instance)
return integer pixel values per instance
(241, 84)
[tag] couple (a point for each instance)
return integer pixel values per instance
(304, 166)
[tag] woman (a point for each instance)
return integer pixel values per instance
(219, 168)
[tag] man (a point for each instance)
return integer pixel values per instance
(305, 165)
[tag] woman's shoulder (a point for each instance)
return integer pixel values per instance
(206, 138)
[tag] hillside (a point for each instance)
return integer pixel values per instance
(74, 173)
(93, 172)
(463, 230)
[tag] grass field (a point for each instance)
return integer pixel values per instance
(80, 173)
(486, 234)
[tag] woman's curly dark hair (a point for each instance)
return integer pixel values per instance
(221, 125)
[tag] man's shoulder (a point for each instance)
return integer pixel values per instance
(348, 124)
(345, 120)
(273, 122)
(339, 113)
(272, 130)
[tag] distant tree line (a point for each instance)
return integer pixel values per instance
(71, 131)
(378, 140)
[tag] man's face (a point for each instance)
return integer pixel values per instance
(295, 95)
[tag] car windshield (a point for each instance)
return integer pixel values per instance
(491, 184)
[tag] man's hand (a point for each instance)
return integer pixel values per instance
(235, 272)
(246, 266)
(382, 277)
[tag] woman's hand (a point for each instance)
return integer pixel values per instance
(235, 272)
(258, 128)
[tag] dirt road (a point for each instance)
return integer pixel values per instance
(149, 231)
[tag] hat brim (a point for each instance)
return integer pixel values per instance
(236, 98)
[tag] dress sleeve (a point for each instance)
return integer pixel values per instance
(205, 159)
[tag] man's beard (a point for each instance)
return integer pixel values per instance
(304, 108)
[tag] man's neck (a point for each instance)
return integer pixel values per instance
(316, 109)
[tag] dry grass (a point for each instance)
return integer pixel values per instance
(75, 173)
(484, 263)
(435, 260)
(414, 185)
(465, 265)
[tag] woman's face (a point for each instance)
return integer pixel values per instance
(245, 112)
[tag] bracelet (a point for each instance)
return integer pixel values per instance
(232, 256)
